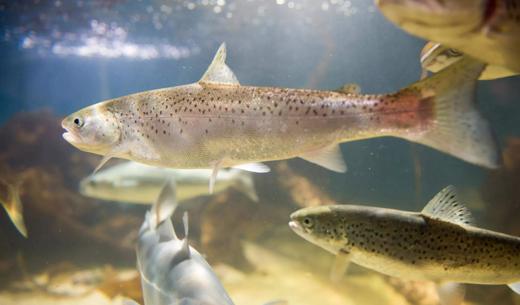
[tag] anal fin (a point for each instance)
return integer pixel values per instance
(339, 267)
(451, 293)
(329, 157)
(515, 287)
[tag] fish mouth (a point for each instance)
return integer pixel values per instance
(295, 226)
(69, 135)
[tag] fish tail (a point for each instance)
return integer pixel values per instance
(458, 128)
(244, 183)
(13, 206)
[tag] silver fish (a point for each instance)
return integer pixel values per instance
(218, 123)
(173, 272)
(438, 244)
(133, 182)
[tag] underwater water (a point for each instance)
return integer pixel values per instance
(61, 56)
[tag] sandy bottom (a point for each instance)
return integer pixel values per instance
(293, 272)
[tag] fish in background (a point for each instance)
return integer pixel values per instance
(438, 244)
(139, 183)
(488, 30)
(173, 272)
(435, 57)
(10, 200)
(218, 123)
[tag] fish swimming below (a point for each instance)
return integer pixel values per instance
(438, 244)
(132, 182)
(218, 123)
(435, 57)
(486, 30)
(173, 272)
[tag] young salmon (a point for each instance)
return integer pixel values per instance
(435, 57)
(217, 123)
(438, 244)
(488, 30)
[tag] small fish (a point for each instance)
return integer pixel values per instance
(486, 30)
(10, 200)
(133, 182)
(438, 244)
(435, 57)
(173, 272)
(218, 123)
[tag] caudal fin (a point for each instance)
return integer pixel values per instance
(458, 128)
(13, 206)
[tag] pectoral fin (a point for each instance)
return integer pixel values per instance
(329, 157)
(213, 177)
(515, 287)
(339, 267)
(451, 293)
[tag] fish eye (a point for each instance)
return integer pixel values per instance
(78, 122)
(453, 53)
(307, 222)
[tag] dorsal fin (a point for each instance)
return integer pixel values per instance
(164, 206)
(349, 89)
(445, 206)
(218, 72)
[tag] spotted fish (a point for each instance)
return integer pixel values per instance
(435, 57)
(488, 30)
(218, 123)
(438, 244)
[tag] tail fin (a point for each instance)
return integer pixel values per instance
(13, 206)
(459, 129)
(245, 184)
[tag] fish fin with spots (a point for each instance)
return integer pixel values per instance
(515, 287)
(245, 184)
(253, 167)
(13, 206)
(165, 205)
(457, 128)
(451, 293)
(218, 71)
(446, 207)
(339, 266)
(329, 157)
(349, 89)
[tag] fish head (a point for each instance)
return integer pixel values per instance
(435, 56)
(317, 225)
(94, 129)
(437, 20)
